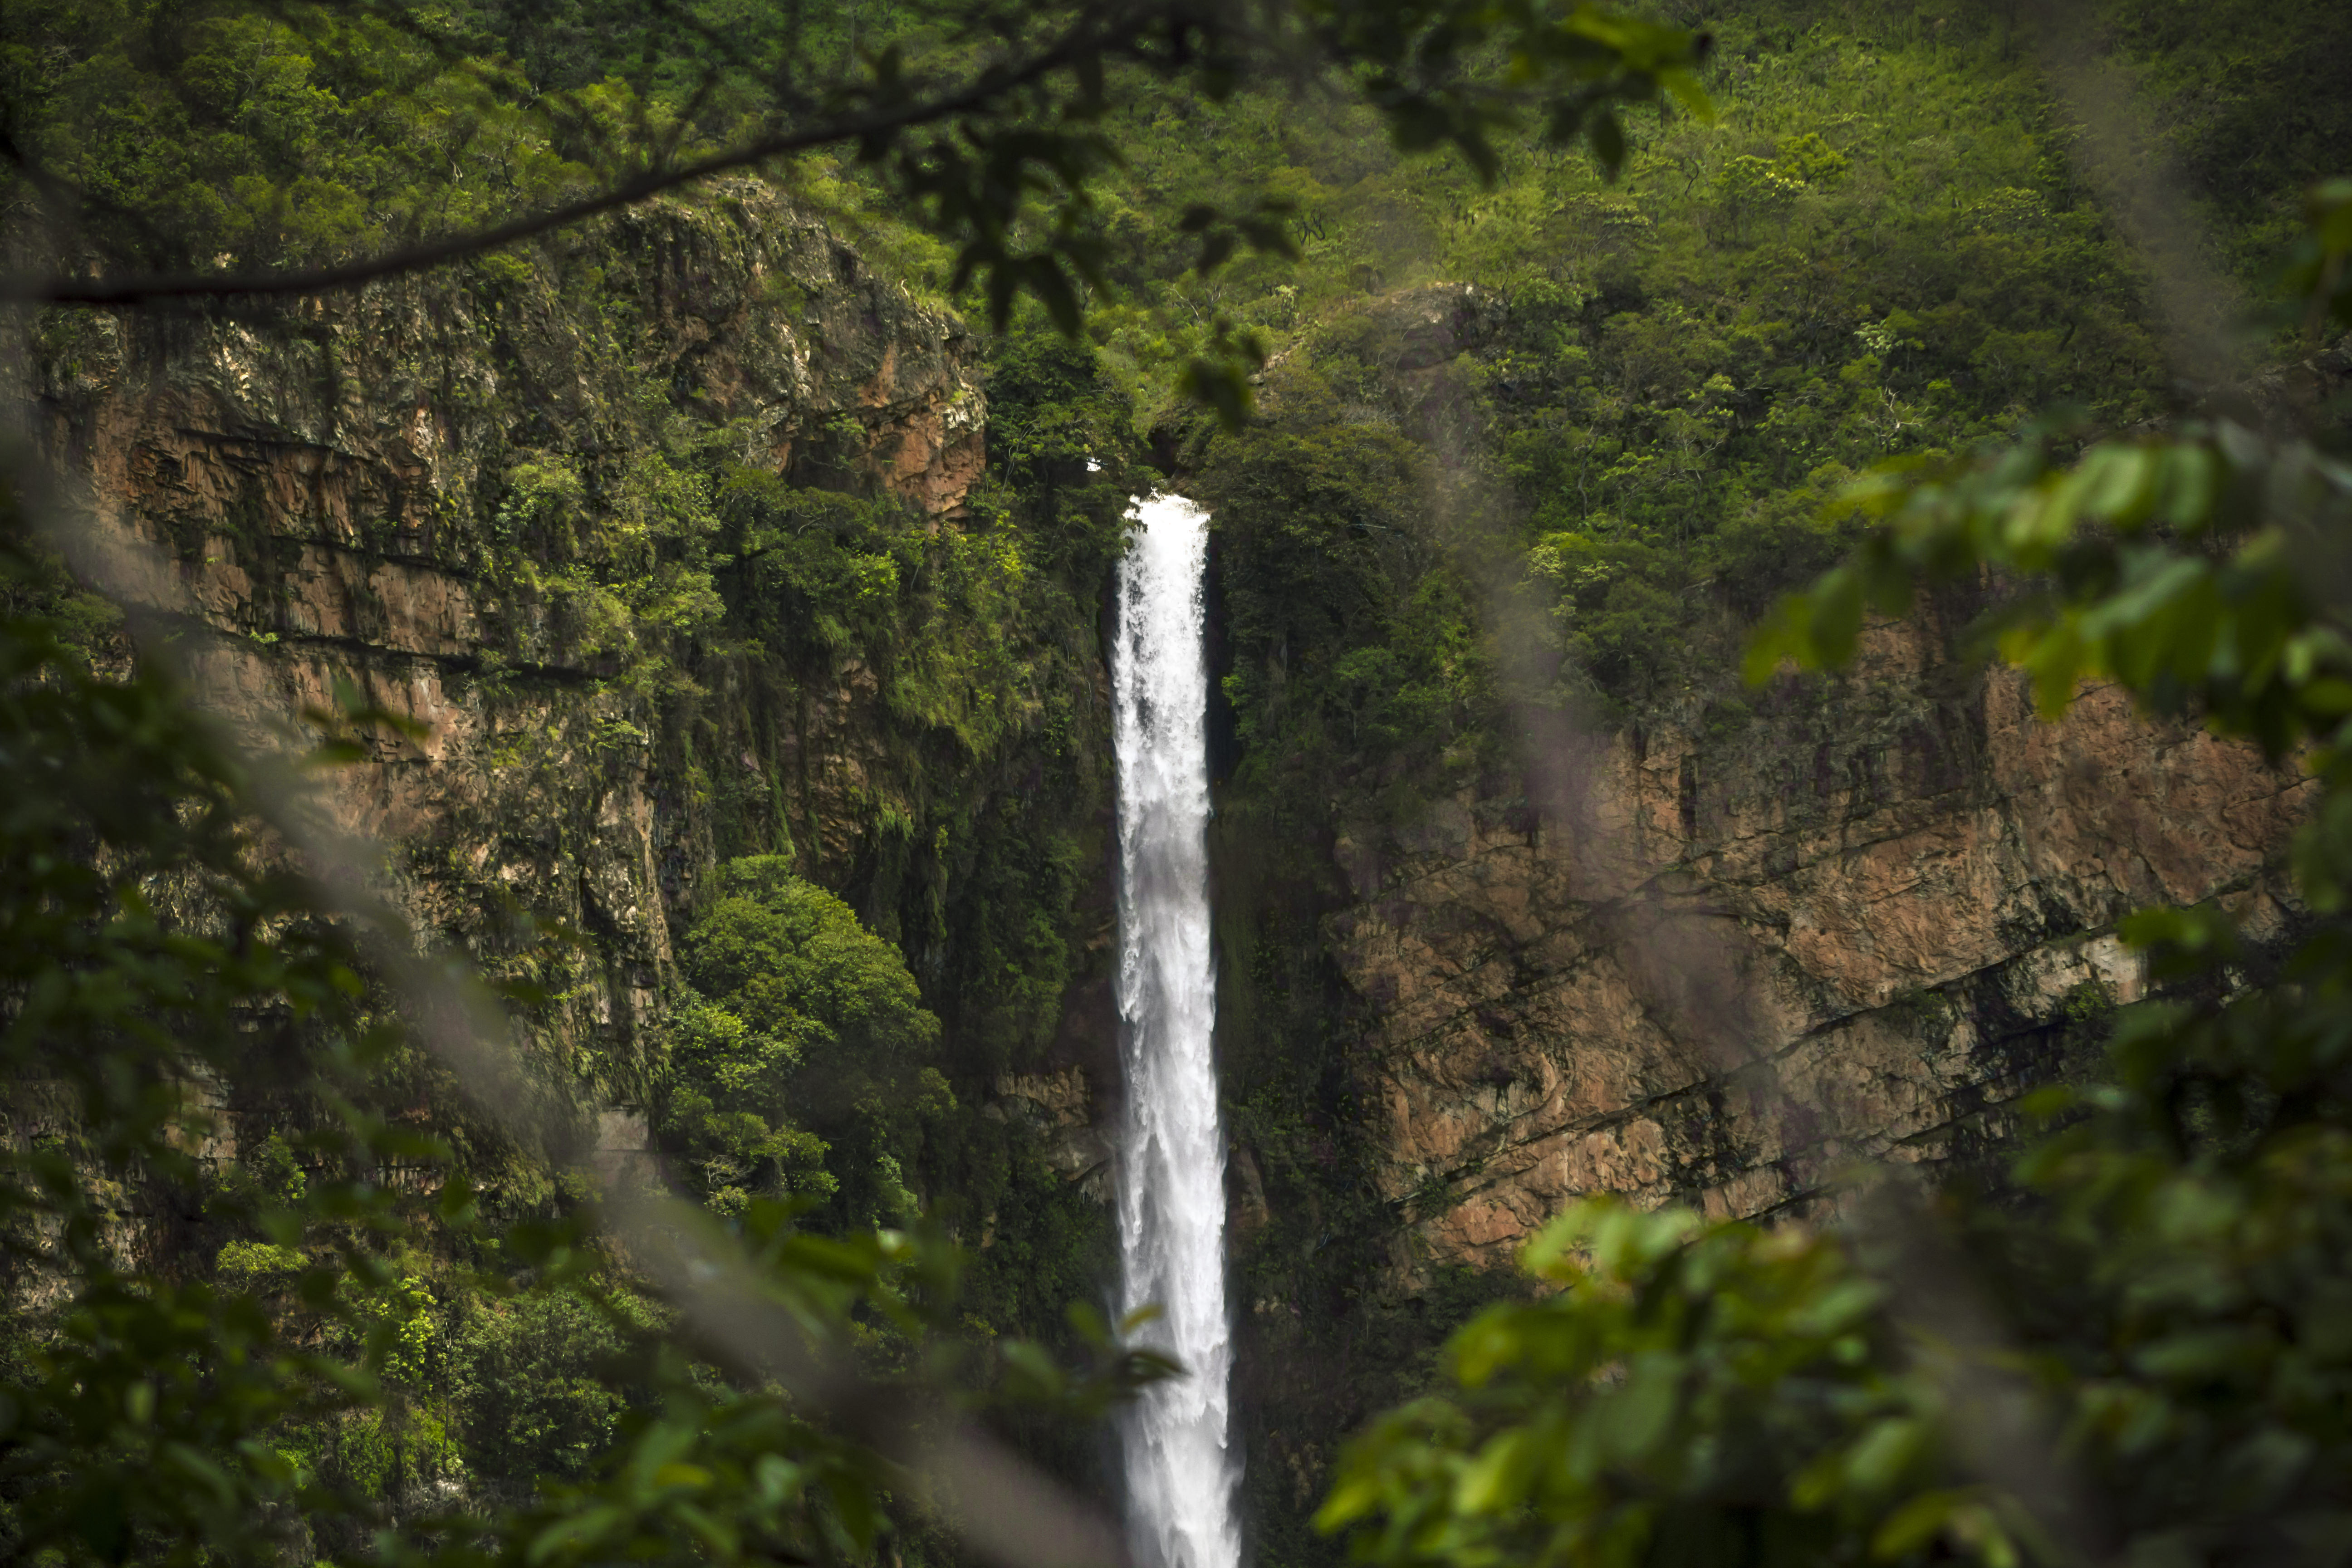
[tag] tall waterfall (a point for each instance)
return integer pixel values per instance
(1181, 1474)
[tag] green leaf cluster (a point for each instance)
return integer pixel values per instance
(2140, 1360)
(807, 1035)
(1648, 1410)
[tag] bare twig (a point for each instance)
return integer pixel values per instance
(1004, 1508)
(1098, 32)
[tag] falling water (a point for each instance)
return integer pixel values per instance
(1181, 1475)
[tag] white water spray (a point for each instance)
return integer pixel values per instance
(1181, 1473)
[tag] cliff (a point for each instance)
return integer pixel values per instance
(1724, 955)
(682, 539)
(664, 542)
(1523, 896)
(1748, 953)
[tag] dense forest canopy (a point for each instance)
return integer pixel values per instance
(1528, 356)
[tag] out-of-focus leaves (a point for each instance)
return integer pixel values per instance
(2173, 1354)
(148, 1415)
(2200, 570)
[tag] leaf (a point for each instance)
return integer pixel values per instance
(583, 1528)
(1878, 1461)
(456, 1204)
(1036, 1369)
(693, 1478)
(1222, 386)
(1913, 1526)
(1086, 1321)
(2201, 1353)
(1496, 1480)
(1608, 140)
(1641, 1410)
(1682, 84)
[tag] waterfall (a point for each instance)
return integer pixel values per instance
(1181, 1473)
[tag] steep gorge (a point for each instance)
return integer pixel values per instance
(1846, 927)
(1495, 936)
(1710, 954)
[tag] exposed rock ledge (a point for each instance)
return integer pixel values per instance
(324, 483)
(1756, 948)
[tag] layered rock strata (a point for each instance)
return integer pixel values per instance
(1752, 948)
(329, 487)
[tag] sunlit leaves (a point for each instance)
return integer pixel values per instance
(2192, 569)
(1675, 1368)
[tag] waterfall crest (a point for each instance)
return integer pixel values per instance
(1181, 1472)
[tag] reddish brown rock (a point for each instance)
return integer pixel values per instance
(324, 486)
(1744, 954)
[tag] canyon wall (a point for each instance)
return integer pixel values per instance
(1719, 954)
(1742, 948)
(1756, 947)
(1732, 954)
(457, 498)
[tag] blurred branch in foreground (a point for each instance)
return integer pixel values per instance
(2140, 1353)
(146, 1421)
(152, 167)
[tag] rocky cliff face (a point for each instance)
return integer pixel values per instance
(333, 487)
(1747, 949)
(1724, 955)
(1717, 956)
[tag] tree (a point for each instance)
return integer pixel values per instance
(201, 927)
(2144, 1358)
(257, 148)
(802, 1045)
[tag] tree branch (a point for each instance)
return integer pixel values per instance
(1092, 34)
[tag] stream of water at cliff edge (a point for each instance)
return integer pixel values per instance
(1182, 1472)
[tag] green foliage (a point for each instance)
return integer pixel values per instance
(807, 1036)
(1645, 1411)
(792, 960)
(531, 1386)
(625, 573)
(269, 134)
(1357, 664)
(2145, 1362)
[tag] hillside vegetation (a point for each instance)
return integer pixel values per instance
(1552, 445)
(1521, 440)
